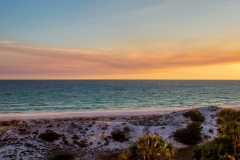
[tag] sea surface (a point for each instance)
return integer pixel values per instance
(24, 96)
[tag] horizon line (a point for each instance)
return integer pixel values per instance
(123, 79)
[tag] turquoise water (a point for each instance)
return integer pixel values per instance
(59, 96)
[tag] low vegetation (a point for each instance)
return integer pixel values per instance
(121, 135)
(190, 135)
(210, 130)
(213, 150)
(62, 155)
(49, 136)
(183, 153)
(226, 146)
(194, 115)
(149, 147)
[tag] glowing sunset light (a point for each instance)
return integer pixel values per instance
(120, 40)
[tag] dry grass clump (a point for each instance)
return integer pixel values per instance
(58, 119)
(4, 123)
(16, 121)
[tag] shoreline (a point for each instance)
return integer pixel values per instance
(100, 113)
(94, 113)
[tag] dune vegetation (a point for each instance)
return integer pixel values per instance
(213, 134)
(226, 146)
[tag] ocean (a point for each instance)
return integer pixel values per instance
(27, 96)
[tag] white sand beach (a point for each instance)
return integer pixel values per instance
(95, 113)
(98, 113)
(89, 133)
(85, 132)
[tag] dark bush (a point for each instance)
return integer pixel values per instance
(190, 135)
(4, 123)
(197, 153)
(194, 115)
(62, 155)
(119, 135)
(212, 150)
(49, 136)
(210, 130)
(81, 144)
(126, 130)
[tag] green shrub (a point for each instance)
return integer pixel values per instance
(62, 155)
(49, 136)
(194, 115)
(197, 153)
(229, 126)
(215, 149)
(228, 114)
(210, 151)
(226, 146)
(190, 135)
(119, 135)
(149, 147)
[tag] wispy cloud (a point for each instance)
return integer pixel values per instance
(107, 49)
(6, 42)
(46, 62)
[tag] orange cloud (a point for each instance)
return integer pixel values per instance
(29, 62)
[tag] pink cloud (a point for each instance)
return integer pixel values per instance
(48, 62)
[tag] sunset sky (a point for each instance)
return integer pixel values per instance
(124, 39)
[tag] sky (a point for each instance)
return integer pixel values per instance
(137, 39)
